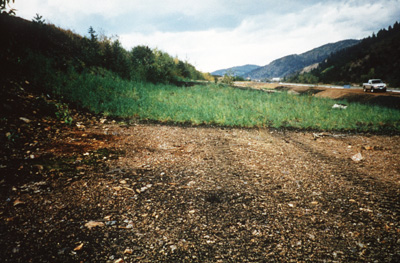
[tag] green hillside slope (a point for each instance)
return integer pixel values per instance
(291, 64)
(33, 49)
(377, 56)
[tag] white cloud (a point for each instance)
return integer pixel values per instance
(258, 39)
(115, 8)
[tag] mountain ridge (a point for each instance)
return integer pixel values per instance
(237, 71)
(289, 64)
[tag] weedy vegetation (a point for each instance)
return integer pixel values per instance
(215, 104)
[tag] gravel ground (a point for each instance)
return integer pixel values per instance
(102, 191)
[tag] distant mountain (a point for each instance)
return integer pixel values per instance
(377, 56)
(293, 63)
(237, 71)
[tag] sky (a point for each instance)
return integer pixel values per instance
(218, 34)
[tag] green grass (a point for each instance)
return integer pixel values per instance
(219, 105)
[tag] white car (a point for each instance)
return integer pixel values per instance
(374, 85)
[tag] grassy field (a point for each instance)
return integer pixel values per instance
(219, 105)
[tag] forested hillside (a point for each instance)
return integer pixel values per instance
(377, 56)
(39, 51)
(292, 63)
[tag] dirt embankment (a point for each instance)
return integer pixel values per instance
(387, 99)
(101, 191)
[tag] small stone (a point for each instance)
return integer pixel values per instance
(18, 202)
(191, 183)
(111, 223)
(128, 251)
(79, 247)
(144, 188)
(339, 106)
(25, 120)
(357, 157)
(79, 125)
(92, 224)
(173, 248)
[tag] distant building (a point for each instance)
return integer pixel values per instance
(276, 79)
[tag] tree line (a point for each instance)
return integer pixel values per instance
(65, 50)
(141, 63)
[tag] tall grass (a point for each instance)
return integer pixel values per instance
(212, 104)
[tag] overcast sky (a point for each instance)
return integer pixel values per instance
(216, 34)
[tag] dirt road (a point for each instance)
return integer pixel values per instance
(175, 194)
(386, 99)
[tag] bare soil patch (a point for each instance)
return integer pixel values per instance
(386, 99)
(103, 191)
